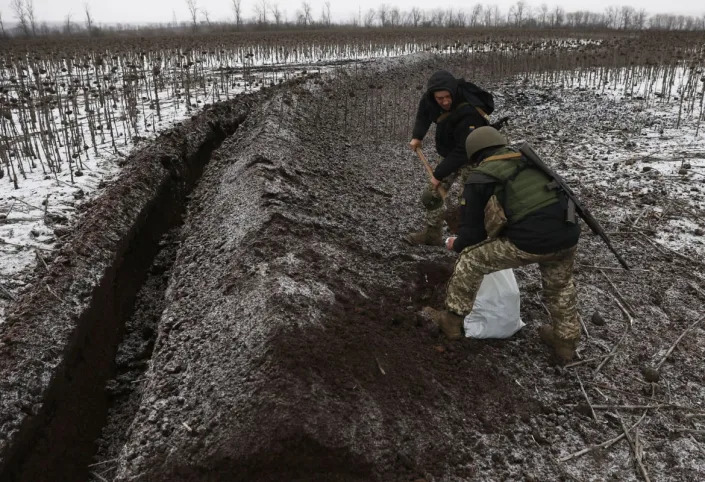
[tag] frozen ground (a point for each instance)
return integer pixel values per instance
(337, 361)
(648, 164)
(278, 337)
(638, 141)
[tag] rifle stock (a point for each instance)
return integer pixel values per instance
(581, 210)
(429, 170)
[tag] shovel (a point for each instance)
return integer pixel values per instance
(441, 190)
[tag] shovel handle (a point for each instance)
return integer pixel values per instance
(441, 190)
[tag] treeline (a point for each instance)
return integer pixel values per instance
(266, 14)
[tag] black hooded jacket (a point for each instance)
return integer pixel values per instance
(452, 129)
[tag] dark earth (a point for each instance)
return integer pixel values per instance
(274, 332)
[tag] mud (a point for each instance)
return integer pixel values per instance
(281, 323)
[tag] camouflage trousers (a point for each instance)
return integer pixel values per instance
(432, 201)
(556, 274)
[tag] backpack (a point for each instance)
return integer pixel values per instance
(476, 96)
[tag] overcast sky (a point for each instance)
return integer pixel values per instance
(139, 11)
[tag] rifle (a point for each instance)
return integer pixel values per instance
(574, 205)
(441, 190)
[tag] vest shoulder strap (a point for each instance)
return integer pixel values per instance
(501, 157)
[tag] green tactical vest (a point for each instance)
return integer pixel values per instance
(522, 188)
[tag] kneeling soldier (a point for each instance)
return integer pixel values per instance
(510, 218)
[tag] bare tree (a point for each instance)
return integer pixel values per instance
(261, 8)
(193, 12)
(206, 16)
(518, 12)
(237, 10)
(640, 19)
(628, 14)
(21, 16)
(89, 18)
(370, 17)
(325, 14)
(611, 17)
(572, 19)
(395, 17)
(558, 16)
(383, 13)
(475, 14)
(2, 26)
(29, 7)
(305, 16)
(488, 17)
(496, 15)
(276, 13)
(455, 19)
(543, 14)
(416, 16)
(438, 18)
(68, 24)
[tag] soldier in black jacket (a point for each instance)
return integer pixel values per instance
(457, 107)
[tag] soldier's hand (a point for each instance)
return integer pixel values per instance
(435, 182)
(415, 144)
(449, 243)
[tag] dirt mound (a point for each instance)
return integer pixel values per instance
(291, 344)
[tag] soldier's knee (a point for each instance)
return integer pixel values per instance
(431, 200)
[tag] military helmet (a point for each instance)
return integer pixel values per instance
(481, 138)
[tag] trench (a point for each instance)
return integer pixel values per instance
(60, 441)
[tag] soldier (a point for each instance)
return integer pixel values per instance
(457, 107)
(510, 218)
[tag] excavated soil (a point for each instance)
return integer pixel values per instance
(277, 335)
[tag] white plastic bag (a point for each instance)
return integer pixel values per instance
(495, 313)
